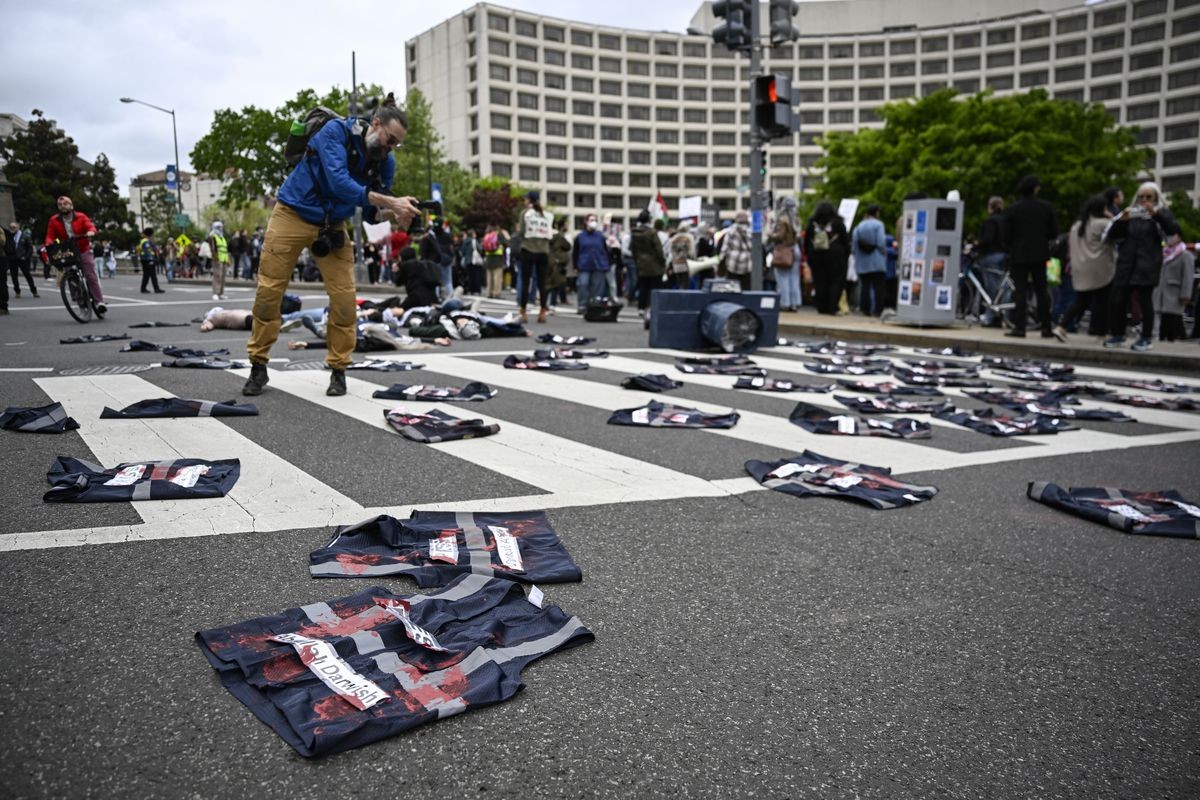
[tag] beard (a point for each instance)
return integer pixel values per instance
(375, 146)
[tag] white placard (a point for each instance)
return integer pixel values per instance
(689, 207)
(847, 209)
(507, 548)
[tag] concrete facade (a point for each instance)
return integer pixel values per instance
(198, 192)
(600, 118)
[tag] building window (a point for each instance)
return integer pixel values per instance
(526, 52)
(581, 38)
(966, 63)
(556, 105)
(638, 67)
(583, 85)
(557, 198)
(1145, 85)
(870, 71)
(611, 133)
(695, 181)
(1110, 91)
(1071, 24)
(724, 182)
(1002, 59)
(1183, 79)
(556, 152)
(901, 90)
(471, 24)
(610, 110)
(556, 175)
(963, 41)
(609, 42)
(554, 57)
(967, 85)
(724, 117)
(553, 33)
(1036, 78)
(841, 50)
(695, 94)
(1182, 130)
(556, 80)
(607, 64)
(585, 200)
(870, 49)
(472, 98)
(783, 182)
(810, 52)
(528, 77)
(500, 97)
(937, 67)
(471, 49)
(585, 176)
(1178, 183)
(1148, 8)
(1033, 55)
(1182, 27)
(1001, 36)
(1035, 30)
(583, 108)
(527, 28)
(724, 73)
(498, 47)
(610, 155)
(669, 181)
(724, 95)
(841, 73)
(474, 121)
(474, 147)
(1148, 33)
(666, 159)
(639, 179)
(637, 45)
(696, 72)
(724, 160)
(1146, 136)
(527, 100)
(870, 93)
(695, 115)
(695, 50)
(666, 114)
(529, 149)
(695, 137)
(502, 146)
(584, 154)
(807, 73)
(931, 87)
(611, 88)
(612, 201)
(1179, 158)
(1109, 41)
(639, 112)
(1141, 111)
(497, 22)
(501, 170)
(935, 45)
(665, 49)
(902, 47)
(782, 160)
(1111, 67)
(1000, 82)
(902, 68)
(1066, 74)
(666, 71)
(812, 117)
(583, 130)
(1071, 49)
(581, 61)
(530, 174)
(841, 95)
(1111, 16)
(1185, 52)
(1074, 95)
(639, 134)
(841, 116)
(639, 156)
(501, 121)
(724, 139)
(556, 128)
(637, 89)
(662, 92)
(1183, 105)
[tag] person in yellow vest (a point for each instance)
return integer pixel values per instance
(220, 258)
(149, 257)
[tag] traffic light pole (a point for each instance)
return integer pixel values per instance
(758, 217)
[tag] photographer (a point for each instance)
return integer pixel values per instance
(348, 163)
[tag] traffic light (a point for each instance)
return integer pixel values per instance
(781, 13)
(735, 33)
(773, 114)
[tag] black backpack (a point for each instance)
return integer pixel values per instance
(302, 132)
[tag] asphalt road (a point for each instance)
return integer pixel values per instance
(755, 644)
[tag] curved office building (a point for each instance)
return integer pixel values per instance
(600, 118)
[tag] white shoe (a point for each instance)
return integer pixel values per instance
(476, 304)
(216, 297)
(291, 324)
(221, 297)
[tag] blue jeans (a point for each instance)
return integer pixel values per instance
(309, 318)
(591, 285)
(788, 282)
(447, 287)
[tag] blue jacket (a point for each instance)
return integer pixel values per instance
(324, 183)
(869, 232)
(590, 253)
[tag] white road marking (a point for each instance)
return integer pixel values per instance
(26, 369)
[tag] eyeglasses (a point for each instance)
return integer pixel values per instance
(1145, 197)
(390, 140)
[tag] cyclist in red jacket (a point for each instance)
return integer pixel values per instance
(82, 230)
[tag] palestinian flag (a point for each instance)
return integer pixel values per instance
(658, 209)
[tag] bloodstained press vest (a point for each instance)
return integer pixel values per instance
(812, 474)
(651, 383)
(886, 404)
(525, 362)
(554, 338)
(328, 677)
(178, 407)
(73, 480)
(780, 385)
(1161, 513)
(987, 421)
(436, 426)
(42, 419)
(660, 415)
(473, 391)
(434, 547)
(817, 420)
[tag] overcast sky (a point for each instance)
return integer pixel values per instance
(74, 62)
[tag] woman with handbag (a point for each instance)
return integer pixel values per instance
(784, 254)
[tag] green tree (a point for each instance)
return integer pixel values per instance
(1187, 214)
(493, 201)
(423, 159)
(980, 145)
(158, 209)
(235, 219)
(42, 165)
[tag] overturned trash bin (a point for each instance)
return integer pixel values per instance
(731, 326)
(697, 320)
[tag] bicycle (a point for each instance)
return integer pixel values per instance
(980, 305)
(72, 284)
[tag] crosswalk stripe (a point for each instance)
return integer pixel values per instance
(572, 473)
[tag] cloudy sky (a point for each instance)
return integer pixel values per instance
(75, 62)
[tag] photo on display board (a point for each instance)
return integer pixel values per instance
(906, 271)
(910, 221)
(905, 293)
(918, 272)
(916, 292)
(937, 270)
(907, 250)
(944, 300)
(919, 246)
(922, 217)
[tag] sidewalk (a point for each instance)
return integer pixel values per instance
(1166, 356)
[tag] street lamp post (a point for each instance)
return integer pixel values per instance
(175, 136)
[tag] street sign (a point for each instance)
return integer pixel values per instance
(435, 192)
(742, 188)
(182, 220)
(756, 221)
(183, 241)
(172, 177)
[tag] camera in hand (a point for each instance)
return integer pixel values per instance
(417, 225)
(329, 238)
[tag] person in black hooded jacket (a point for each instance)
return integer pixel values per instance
(419, 278)
(827, 253)
(1139, 233)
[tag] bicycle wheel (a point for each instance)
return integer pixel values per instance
(75, 296)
